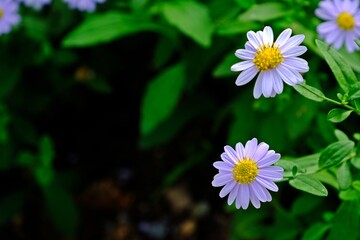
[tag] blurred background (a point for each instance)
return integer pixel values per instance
(110, 121)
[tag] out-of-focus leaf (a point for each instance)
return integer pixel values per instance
(35, 27)
(356, 185)
(245, 4)
(346, 222)
(10, 205)
(100, 85)
(223, 69)
(138, 4)
(62, 209)
(46, 151)
(44, 175)
(351, 59)
(26, 159)
(354, 92)
(310, 36)
(181, 168)
(163, 51)
(337, 115)
(191, 18)
(315, 231)
(349, 195)
(310, 92)
(343, 175)
(355, 161)
(236, 27)
(305, 204)
(6, 160)
(4, 121)
(335, 153)
(310, 185)
(197, 106)
(342, 71)
(299, 116)
(340, 135)
(265, 12)
(106, 27)
(161, 97)
(9, 77)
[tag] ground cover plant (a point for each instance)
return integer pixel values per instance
(183, 119)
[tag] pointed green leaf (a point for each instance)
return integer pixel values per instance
(191, 18)
(310, 92)
(161, 97)
(309, 184)
(342, 71)
(335, 153)
(354, 92)
(337, 115)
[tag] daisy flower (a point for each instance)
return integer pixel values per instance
(246, 173)
(36, 4)
(8, 15)
(83, 5)
(342, 23)
(274, 62)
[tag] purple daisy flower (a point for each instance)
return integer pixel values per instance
(274, 61)
(8, 15)
(246, 173)
(342, 23)
(36, 4)
(83, 5)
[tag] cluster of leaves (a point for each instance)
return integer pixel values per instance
(195, 45)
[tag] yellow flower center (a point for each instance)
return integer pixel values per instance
(268, 57)
(1, 13)
(345, 21)
(245, 171)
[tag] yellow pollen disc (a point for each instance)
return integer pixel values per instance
(268, 57)
(1, 13)
(245, 171)
(345, 21)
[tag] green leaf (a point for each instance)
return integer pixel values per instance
(349, 194)
(9, 76)
(191, 18)
(310, 92)
(245, 4)
(337, 115)
(62, 209)
(315, 231)
(335, 153)
(356, 185)
(357, 42)
(340, 135)
(10, 205)
(105, 27)
(161, 97)
(223, 69)
(236, 27)
(44, 175)
(345, 222)
(305, 204)
(354, 92)
(46, 151)
(343, 175)
(265, 12)
(342, 71)
(309, 184)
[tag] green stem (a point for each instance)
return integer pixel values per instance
(343, 105)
